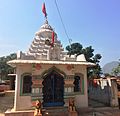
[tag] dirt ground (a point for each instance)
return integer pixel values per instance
(99, 111)
(6, 102)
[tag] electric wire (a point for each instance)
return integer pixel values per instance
(62, 23)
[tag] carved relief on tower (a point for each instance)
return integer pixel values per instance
(46, 45)
(54, 53)
(69, 86)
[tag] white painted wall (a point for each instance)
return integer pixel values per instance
(21, 102)
(82, 100)
(24, 102)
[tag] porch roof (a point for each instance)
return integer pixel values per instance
(15, 62)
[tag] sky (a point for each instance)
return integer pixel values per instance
(93, 23)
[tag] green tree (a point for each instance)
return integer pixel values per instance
(4, 67)
(77, 49)
(88, 52)
(97, 58)
(95, 71)
(74, 49)
(116, 71)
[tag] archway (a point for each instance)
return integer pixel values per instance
(53, 89)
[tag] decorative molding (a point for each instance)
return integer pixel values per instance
(70, 77)
(51, 69)
(36, 77)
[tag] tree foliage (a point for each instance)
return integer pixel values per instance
(77, 49)
(74, 49)
(116, 71)
(4, 67)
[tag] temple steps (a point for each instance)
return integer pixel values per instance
(55, 111)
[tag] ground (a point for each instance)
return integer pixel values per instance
(95, 108)
(6, 102)
(100, 111)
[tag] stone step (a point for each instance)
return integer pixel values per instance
(55, 111)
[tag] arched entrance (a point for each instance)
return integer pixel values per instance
(53, 89)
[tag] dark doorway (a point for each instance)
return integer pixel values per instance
(53, 89)
(77, 84)
(27, 84)
(118, 87)
(12, 82)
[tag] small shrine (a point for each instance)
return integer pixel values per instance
(46, 73)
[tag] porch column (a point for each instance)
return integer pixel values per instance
(17, 91)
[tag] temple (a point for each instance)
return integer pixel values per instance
(46, 73)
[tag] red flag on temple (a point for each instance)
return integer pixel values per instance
(44, 9)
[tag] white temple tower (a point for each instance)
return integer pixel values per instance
(40, 49)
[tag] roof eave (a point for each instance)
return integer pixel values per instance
(13, 63)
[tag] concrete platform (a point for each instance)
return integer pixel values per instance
(19, 113)
(103, 111)
(45, 112)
